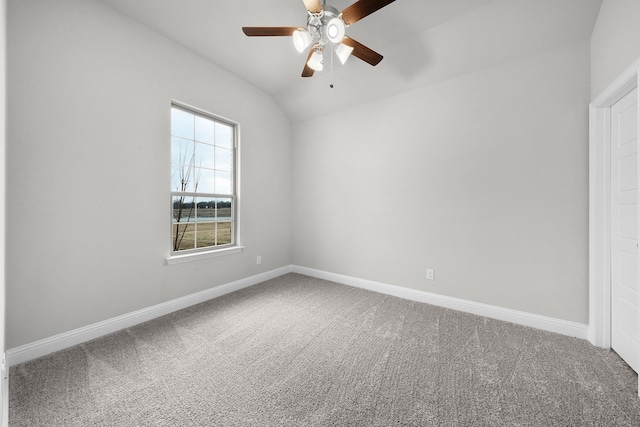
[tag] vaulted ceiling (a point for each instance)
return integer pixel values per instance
(423, 42)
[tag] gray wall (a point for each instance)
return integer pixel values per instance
(88, 177)
(615, 42)
(482, 177)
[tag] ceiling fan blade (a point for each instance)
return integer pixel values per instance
(362, 8)
(363, 52)
(308, 71)
(268, 31)
(313, 6)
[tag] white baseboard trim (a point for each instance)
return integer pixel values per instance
(24, 353)
(564, 327)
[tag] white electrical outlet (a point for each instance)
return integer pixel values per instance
(431, 274)
(259, 260)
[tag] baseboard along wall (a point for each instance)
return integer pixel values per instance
(564, 327)
(24, 353)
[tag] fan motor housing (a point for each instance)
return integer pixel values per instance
(316, 23)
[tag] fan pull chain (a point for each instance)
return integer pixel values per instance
(331, 65)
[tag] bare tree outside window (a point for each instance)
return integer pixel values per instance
(186, 171)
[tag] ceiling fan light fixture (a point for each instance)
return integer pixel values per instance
(335, 30)
(326, 26)
(301, 39)
(315, 61)
(343, 52)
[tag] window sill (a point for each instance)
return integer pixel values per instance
(179, 259)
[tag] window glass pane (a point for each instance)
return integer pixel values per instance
(205, 179)
(181, 150)
(223, 232)
(224, 216)
(204, 130)
(184, 209)
(183, 226)
(182, 178)
(181, 123)
(175, 178)
(224, 135)
(223, 159)
(183, 236)
(206, 209)
(223, 209)
(206, 235)
(204, 155)
(223, 182)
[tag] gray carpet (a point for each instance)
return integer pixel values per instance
(298, 351)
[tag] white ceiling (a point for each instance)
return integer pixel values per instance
(423, 41)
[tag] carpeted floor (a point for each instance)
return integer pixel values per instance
(298, 351)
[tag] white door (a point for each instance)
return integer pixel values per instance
(625, 339)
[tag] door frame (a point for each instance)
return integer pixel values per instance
(599, 332)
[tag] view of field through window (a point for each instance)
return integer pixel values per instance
(203, 198)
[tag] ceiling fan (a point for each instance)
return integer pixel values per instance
(326, 27)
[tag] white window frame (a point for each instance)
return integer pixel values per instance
(194, 254)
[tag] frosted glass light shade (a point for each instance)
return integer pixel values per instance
(343, 52)
(315, 62)
(301, 39)
(335, 30)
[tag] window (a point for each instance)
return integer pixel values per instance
(203, 181)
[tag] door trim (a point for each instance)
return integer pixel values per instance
(599, 332)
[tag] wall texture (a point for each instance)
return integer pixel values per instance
(88, 180)
(615, 42)
(482, 177)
